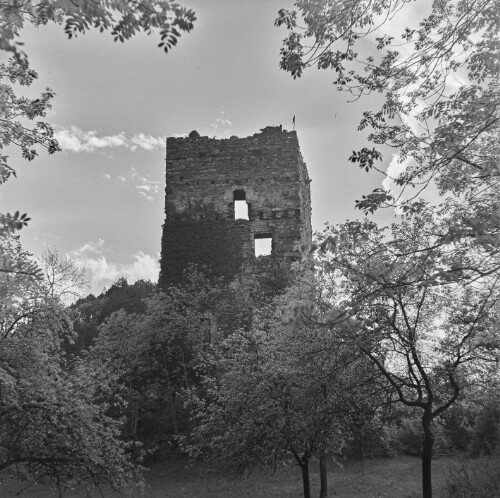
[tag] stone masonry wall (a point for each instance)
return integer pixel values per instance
(204, 176)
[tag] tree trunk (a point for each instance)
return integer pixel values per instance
(133, 409)
(323, 476)
(172, 394)
(134, 418)
(427, 457)
(303, 463)
(363, 448)
(304, 466)
(174, 415)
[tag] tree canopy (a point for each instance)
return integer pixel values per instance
(422, 297)
(21, 123)
(439, 81)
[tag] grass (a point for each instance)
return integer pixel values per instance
(384, 478)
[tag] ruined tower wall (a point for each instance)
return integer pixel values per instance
(205, 176)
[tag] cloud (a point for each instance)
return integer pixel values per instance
(145, 186)
(395, 168)
(102, 273)
(88, 248)
(147, 142)
(393, 171)
(148, 189)
(222, 127)
(76, 140)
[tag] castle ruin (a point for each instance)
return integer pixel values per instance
(228, 201)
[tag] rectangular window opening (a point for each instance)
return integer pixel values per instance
(240, 210)
(263, 244)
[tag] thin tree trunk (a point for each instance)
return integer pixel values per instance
(172, 394)
(323, 476)
(363, 448)
(134, 416)
(303, 463)
(427, 457)
(304, 466)
(133, 409)
(174, 415)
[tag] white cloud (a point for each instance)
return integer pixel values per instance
(395, 168)
(145, 186)
(133, 173)
(148, 189)
(103, 273)
(88, 248)
(147, 142)
(222, 127)
(76, 140)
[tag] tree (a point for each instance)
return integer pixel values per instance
(430, 341)
(91, 311)
(155, 354)
(123, 18)
(64, 279)
(52, 418)
(440, 113)
(275, 392)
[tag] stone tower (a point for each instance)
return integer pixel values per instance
(226, 199)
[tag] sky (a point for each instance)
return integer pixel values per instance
(101, 200)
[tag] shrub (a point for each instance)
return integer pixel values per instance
(458, 424)
(406, 435)
(478, 478)
(486, 435)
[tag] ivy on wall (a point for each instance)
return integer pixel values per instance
(218, 244)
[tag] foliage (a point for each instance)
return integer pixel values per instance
(212, 243)
(430, 334)
(486, 433)
(52, 418)
(439, 112)
(155, 354)
(124, 19)
(405, 433)
(275, 393)
(17, 113)
(91, 311)
(17, 269)
(422, 299)
(477, 478)
(425, 116)
(64, 279)
(458, 424)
